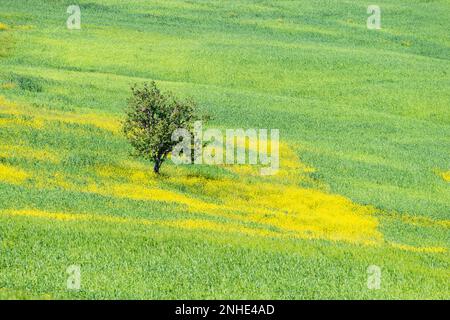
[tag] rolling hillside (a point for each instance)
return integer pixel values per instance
(364, 120)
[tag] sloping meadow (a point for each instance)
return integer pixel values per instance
(363, 178)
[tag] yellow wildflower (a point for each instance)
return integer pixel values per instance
(12, 175)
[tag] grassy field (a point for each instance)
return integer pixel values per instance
(364, 119)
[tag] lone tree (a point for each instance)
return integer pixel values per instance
(151, 118)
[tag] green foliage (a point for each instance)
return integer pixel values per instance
(151, 119)
(27, 83)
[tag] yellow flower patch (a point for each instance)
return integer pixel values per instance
(446, 176)
(299, 212)
(26, 152)
(192, 224)
(12, 175)
(197, 224)
(127, 171)
(65, 216)
(13, 122)
(136, 192)
(418, 220)
(102, 121)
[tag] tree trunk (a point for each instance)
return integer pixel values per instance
(159, 161)
(156, 167)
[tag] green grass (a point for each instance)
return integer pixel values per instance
(369, 110)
